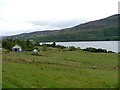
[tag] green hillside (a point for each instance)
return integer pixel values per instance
(103, 29)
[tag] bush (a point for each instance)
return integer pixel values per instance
(72, 48)
(60, 46)
(110, 52)
(90, 49)
(44, 48)
(78, 48)
(101, 50)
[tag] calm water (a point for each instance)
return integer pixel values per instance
(108, 45)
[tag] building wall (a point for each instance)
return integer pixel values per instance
(16, 49)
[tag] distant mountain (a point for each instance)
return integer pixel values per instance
(103, 29)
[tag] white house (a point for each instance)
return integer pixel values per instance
(16, 48)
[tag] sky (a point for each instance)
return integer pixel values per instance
(24, 16)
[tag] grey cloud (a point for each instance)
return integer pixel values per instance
(1, 18)
(68, 23)
(41, 23)
(59, 23)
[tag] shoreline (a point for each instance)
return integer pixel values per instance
(78, 41)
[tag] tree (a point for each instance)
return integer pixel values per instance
(7, 44)
(78, 48)
(54, 44)
(28, 42)
(37, 44)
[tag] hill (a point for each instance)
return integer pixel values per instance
(103, 29)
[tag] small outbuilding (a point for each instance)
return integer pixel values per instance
(16, 48)
(35, 50)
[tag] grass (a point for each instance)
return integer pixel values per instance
(0, 70)
(60, 69)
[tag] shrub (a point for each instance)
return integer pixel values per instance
(78, 48)
(44, 48)
(72, 48)
(110, 52)
(60, 46)
(90, 49)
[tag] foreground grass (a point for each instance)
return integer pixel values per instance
(60, 69)
(0, 70)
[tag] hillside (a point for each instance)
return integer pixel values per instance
(103, 29)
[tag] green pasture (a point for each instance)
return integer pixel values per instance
(56, 68)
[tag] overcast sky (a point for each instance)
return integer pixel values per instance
(20, 16)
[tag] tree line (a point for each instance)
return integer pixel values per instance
(29, 45)
(26, 45)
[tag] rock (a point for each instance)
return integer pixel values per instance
(114, 67)
(93, 67)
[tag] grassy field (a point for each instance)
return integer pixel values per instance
(56, 68)
(0, 70)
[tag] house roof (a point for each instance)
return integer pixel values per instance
(16, 46)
